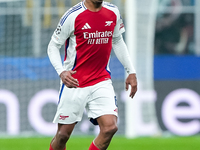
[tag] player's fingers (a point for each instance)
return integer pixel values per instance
(69, 84)
(133, 91)
(73, 80)
(74, 83)
(127, 85)
(68, 80)
(72, 72)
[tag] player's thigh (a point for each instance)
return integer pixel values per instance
(103, 100)
(71, 105)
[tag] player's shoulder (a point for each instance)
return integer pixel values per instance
(111, 7)
(108, 4)
(72, 12)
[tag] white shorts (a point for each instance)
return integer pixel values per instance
(98, 100)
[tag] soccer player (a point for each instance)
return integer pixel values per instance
(89, 30)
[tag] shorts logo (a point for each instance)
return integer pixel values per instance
(116, 110)
(63, 117)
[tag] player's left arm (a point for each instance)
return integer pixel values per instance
(122, 54)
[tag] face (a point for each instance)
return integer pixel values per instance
(96, 1)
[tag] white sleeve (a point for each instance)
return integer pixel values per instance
(122, 54)
(62, 32)
(53, 52)
(64, 29)
(119, 28)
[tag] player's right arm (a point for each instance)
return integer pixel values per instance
(53, 52)
(58, 38)
(55, 59)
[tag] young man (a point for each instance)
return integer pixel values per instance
(89, 30)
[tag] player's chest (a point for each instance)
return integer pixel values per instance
(95, 22)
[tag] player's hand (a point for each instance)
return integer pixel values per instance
(132, 81)
(68, 80)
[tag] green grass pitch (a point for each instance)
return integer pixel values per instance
(118, 143)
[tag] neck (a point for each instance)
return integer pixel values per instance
(93, 6)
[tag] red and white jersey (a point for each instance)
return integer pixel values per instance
(88, 41)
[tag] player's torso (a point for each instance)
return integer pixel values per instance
(95, 29)
(93, 33)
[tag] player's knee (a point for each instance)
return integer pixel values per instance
(62, 138)
(114, 129)
(111, 130)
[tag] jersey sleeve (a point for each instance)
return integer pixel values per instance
(63, 30)
(122, 54)
(58, 38)
(119, 28)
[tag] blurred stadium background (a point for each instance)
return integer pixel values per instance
(163, 37)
